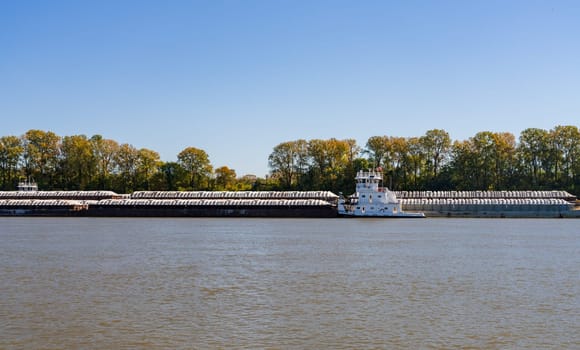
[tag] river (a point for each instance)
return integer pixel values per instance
(98, 283)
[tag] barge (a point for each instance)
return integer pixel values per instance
(310, 208)
(41, 207)
(306, 204)
(492, 204)
(309, 204)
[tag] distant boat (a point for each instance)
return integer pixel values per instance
(27, 186)
(371, 200)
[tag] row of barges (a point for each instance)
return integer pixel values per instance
(282, 203)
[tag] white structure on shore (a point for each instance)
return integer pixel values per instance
(27, 186)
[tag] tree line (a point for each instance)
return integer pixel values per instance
(81, 163)
(538, 160)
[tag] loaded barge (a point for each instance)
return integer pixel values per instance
(309, 204)
(492, 204)
(320, 204)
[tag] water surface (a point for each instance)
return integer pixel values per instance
(94, 283)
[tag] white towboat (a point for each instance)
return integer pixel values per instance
(370, 200)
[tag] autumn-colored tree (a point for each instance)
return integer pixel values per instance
(225, 179)
(488, 160)
(246, 183)
(504, 160)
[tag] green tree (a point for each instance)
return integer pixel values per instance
(148, 164)
(532, 152)
(464, 166)
(288, 161)
(485, 162)
(104, 151)
(483, 146)
(436, 147)
(566, 148)
(330, 159)
(126, 161)
(10, 152)
(41, 153)
(198, 167)
(171, 177)
(78, 164)
(378, 148)
(414, 162)
(398, 150)
(318, 155)
(352, 153)
(359, 163)
(338, 157)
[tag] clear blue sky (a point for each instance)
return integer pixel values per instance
(238, 77)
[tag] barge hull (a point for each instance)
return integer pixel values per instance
(211, 211)
(48, 212)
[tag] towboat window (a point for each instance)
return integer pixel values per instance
(364, 195)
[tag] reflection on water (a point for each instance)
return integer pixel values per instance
(289, 284)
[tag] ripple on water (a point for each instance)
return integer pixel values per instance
(247, 284)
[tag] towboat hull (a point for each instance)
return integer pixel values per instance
(404, 215)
